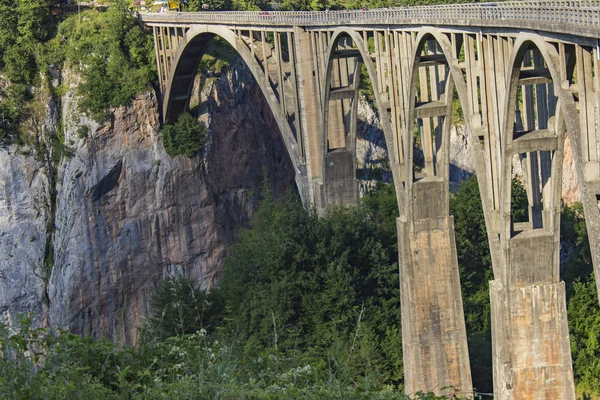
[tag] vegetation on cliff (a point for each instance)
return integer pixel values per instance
(111, 52)
(186, 136)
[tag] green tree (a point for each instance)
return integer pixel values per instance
(186, 136)
(584, 327)
(114, 55)
(475, 267)
(181, 308)
(297, 282)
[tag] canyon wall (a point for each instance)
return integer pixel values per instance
(126, 215)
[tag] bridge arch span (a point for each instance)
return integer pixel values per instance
(363, 57)
(183, 71)
(538, 113)
(479, 53)
(546, 118)
(434, 76)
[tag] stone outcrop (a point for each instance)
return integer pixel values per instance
(24, 212)
(128, 215)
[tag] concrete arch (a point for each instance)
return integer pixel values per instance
(368, 62)
(566, 117)
(455, 81)
(185, 64)
(531, 266)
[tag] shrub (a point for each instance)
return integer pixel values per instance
(114, 55)
(181, 308)
(186, 136)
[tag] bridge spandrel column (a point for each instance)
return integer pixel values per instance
(310, 112)
(434, 339)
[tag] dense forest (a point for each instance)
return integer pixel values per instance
(307, 307)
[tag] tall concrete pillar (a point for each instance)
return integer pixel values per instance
(434, 339)
(530, 335)
(532, 354)
(309, 76)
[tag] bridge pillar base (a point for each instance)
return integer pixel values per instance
(340, 187)
(536, 362)
(434, 337)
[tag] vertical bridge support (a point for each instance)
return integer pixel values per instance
(532, 356)
(434, 339)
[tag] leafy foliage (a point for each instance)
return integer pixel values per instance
(37, 364)
(213, 5)
(181, 308)
(475, 267)
(584, 326)
(112, 52)
(218, 55)
(583, 310)
(319, 283)
(186, 136)
(25, 25)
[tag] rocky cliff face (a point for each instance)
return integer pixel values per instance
(127, 215)
(23, 217)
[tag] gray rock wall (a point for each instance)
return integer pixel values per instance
(24, 205)
(127, 215)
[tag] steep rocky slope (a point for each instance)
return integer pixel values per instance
(127, 215)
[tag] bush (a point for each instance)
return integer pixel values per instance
(112, 52)
(323, 287)
(37, 364)
(181, 308)
(186, 136)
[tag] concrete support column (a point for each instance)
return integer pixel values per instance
(434, 339)
(340, 184)
(529, 323)
(530, 335)
(310, 112)
(536, 314)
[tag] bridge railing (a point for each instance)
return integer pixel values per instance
(578, 16)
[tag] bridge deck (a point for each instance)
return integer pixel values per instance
(568, 17)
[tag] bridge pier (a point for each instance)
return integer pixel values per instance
(532, 353)
(434, 339)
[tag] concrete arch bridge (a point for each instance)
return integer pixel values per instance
(525, 73)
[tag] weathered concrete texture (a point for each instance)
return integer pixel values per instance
(341, 187)
(24, 212)
(129, 215)
(432, 308)
(539, 349)
(532, 259)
